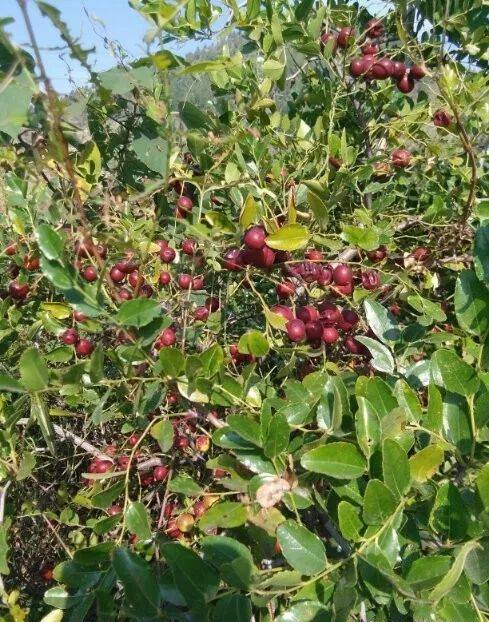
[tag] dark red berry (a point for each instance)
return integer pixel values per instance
(286, 289)
(185, 204)
(342, 274)
(167, 255)
(166, 338)
(18, 291)
(117, 275)
(441, 118)
(84, 347)
(232, 260)
(399, 69)
(401, 158)
(329, 313)
(296, 330)
(201, 314)
(160, 473)
(374, 28)
(344, 36)
(185, 281)
(330, 335)
(164, 278)
(406, 83)
(255, 237)
(283, 311)
(418, 71)
(314, 330)
(69, 337)
(370, 280)
(125, 294)
(189, 246)
(90, 274)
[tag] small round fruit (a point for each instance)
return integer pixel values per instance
(262, 258)
(199, 509)
(421, 253)
(325, 276)
(147, 480)
(395, 309)
(344, 290)
(146, 291)
(160, 473)
(344, 36)
(114, 510)
(418, 71)
(326, 37)
(166, 338)
(374, 28)
(286, 289)
(349, 319)
(31, 263)
(84, 347)
(79, 316)
(164, 278)
(378, 254)
(406, 83)
(307, 313)
(329, 313)
(382, 69)
(441, 118)
(135, 279)
(357, 67)
(314, 330)
(189, 247)
(10, 250)
(117, 275)
(342, 274)
(133, 440)
(370, 48)
(401, 158)
(103, 466)
(185, 281)
(370, 280)
(185, 204)
(18, 291)
(232, 260)
(185, 522)
(202, 443)
(201, 314)
(296, 330)
(399, 69)
(352, 345)
(167, 255)
(181, 442)
(212, 304)
(283, 311)
(69, 337)
(125, 294)
(198, 282)
(90, 274)
(330, 335)
(255, 237)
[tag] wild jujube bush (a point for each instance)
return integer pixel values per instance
(243, 352)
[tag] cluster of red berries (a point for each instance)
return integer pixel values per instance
(70, 337)
(369, 65)
(321, 324)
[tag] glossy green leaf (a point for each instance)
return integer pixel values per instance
(225, 515)
(138, 312)
(139, 582)
(395, 468)
(339, 460)
(137, 520)
(34, 373)
(303, 550)
(472, 303)
(195, 579)
(378, 503)
(450, 372)
(382, 322)
(289, 238)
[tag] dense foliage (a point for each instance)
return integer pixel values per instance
(244, 366)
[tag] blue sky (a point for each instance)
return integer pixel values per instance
(91, 21)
